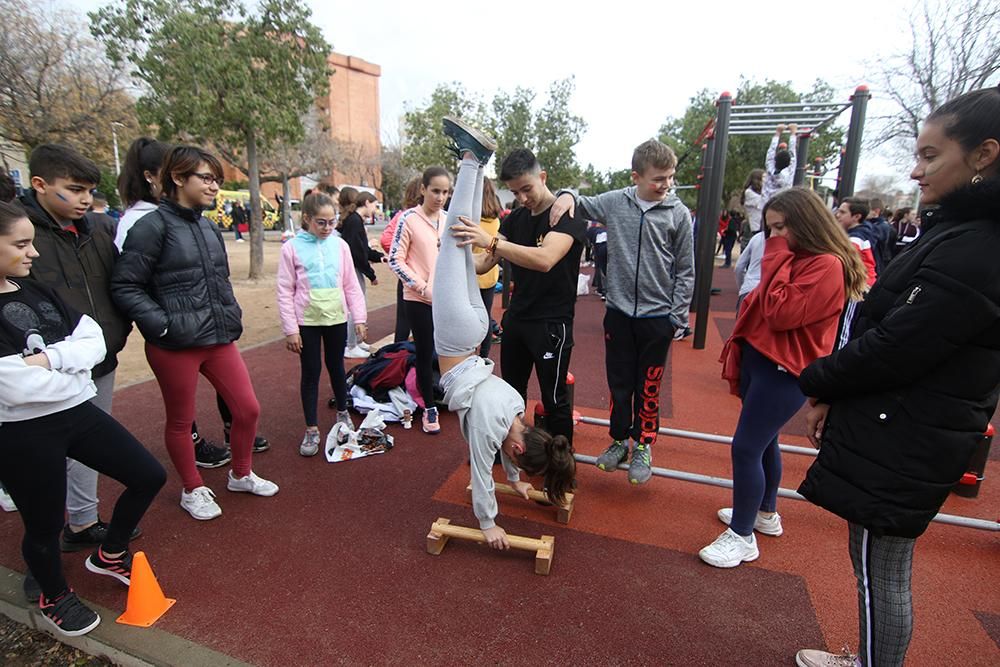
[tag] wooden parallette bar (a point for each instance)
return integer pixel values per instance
(442, 531)
(563, 513)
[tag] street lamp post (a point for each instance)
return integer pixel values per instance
(114, 139)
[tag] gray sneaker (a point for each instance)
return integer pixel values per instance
(310, 444)
(639, 471)
(344, 417)
(616, 452)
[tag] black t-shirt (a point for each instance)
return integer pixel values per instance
(537, 295)
(32, 317)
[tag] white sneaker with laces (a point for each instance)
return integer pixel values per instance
(730, 550)
(6, 502)
(355, 353)
(808, 657)
(200, 503)
(251, 484)
(364, 346)
(765, 525)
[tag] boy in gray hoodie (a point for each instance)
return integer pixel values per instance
(650, 278)
(490, 411)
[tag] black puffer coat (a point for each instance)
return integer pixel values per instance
(913, 391)
(172, 279)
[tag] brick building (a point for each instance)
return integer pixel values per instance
(351, 110)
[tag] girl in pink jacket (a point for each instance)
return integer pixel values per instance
(412, 257)
(317, 285)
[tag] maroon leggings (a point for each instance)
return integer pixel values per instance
(177, 374)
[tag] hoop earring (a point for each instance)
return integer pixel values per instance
(977, 179)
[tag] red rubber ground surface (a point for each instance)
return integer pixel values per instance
(333, 569)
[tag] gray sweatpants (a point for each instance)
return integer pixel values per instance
(460, 318)
(81, 481)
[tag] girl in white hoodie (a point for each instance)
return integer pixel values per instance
(46, 354)
(490, 411)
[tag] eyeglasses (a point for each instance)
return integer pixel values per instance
(208, 179)
(320, 222)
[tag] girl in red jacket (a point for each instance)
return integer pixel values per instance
(809, 271)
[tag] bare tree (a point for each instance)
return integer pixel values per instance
(56, 85)
(954, 47)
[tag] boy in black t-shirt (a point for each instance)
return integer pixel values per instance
(538, 325)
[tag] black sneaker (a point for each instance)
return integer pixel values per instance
(32, 591)
(68, 616)
(260, 443)
(88, 538)
(209, 455)
(120, 568)
(465, 137)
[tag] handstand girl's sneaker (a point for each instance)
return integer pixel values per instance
(67, 615)
(468, 138)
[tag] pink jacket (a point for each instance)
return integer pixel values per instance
(386, 239)
(413, 254)
(317, 284)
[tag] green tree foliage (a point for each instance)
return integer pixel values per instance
(550, 132)
(215, 71)
(594, 182)
(745, 152)
(424, 143)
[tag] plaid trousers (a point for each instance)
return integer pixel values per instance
(882, 566)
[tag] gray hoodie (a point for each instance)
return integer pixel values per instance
(650, 254)
(486, 407)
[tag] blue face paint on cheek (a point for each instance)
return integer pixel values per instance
(61, 197)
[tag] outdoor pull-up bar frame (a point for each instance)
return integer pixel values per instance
(751, 119)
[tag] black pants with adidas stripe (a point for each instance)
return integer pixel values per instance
(545, 346)
(635, 354)
(882, 565)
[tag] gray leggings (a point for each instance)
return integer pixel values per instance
(460, 318)
(882, 565)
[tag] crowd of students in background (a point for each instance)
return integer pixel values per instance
(834, 307)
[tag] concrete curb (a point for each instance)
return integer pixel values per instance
(122, 644)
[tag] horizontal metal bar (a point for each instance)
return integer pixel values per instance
(680, 475)
(705, 437)
(749, 132)
(792, 105)
(803, 118)
(770, 114)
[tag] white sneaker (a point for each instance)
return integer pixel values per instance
(813, 658)
(251, 484)
(729, 550)
(200, 503)
(6, 502)
(310, 444)
(765, 525)
(355, 353)
(365, 346)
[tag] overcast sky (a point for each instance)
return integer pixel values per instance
(634, 65)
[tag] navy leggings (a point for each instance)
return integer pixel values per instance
(333, 340)
(770, 398)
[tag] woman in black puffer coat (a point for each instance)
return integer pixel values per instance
(900, 409)
(172, 279)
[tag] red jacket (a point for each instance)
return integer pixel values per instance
(791, 317)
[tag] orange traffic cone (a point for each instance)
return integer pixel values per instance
(146, 602)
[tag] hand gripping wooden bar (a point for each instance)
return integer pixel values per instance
(563, 513)
(442, 531)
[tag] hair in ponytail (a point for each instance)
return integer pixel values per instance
(552, 458)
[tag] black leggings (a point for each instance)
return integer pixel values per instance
(224, 412)
(402, 323)
(422, 323)
(487, 344)
(33, 470)
(333, 340)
